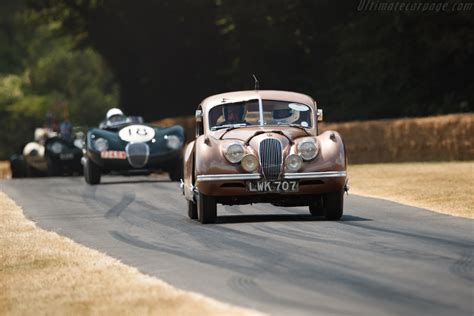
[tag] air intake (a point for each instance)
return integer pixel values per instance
(270, 158)
(137, 154)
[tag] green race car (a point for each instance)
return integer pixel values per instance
(127, 145)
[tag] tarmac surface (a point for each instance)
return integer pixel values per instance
(382, 258)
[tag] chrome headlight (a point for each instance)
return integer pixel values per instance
(308, 150)
(234, 152)
(249, 163)
(173, 142)
(56, 147)
(101, 144)
(293, 162)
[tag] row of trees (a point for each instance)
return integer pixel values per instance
(168, 55)
(43, 72)
(162, 57)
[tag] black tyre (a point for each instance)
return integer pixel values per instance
(18, 167)
(176, 172)
(192, 210)
(92, 172)
(333, 204)
(54, 168)
(206, 209)
(32, 172)
(316, 208)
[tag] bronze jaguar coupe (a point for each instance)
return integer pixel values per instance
(263, 147)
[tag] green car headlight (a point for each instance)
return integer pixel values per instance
(101, 144)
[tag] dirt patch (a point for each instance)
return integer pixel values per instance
(444, 187)
(44, 273)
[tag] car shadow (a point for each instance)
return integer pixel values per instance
(237, 219)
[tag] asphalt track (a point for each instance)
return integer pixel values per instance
(383, 258)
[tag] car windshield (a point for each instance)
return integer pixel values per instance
(119, 121)
(245, 113)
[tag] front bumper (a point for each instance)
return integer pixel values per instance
(286, 176)
(310, 183)
(155, 161)
(69, 164)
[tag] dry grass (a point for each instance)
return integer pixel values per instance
(444, 187)
(5, 170)
(43, 273)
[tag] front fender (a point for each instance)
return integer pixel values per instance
(209, 158)
(188, 177)
(115, 143)
(332, 155)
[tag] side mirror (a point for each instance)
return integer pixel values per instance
(198, 116)
(320, 115)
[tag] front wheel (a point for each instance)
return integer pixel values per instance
(54, 168)
(206, 209)
(92, 172)
(19, 168)
(333, 205)
(176, 172)
(192, 210)
(316, 207)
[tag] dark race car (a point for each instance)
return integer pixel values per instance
(50, 154)
(127, 145)
(63, 155)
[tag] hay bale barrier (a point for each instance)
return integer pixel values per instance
(435, 138)
(5, 172)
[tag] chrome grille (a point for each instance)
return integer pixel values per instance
(137, 154)
(270, 158)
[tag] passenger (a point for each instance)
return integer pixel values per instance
(285, 116)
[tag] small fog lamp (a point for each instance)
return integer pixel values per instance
(249, 163)
(293, 162)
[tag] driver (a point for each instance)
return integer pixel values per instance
(234, 114)
(113, 118)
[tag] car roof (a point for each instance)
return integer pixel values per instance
(239, 96)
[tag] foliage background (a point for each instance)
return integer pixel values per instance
(160, 58)
(44, 71)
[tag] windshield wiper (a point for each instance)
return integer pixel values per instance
(228, 126)
(294, 125)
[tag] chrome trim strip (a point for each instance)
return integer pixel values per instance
(315, 175)
(226, 177)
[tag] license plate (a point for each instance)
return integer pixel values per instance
(67, 156)
(273, 186)
(113, 154)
